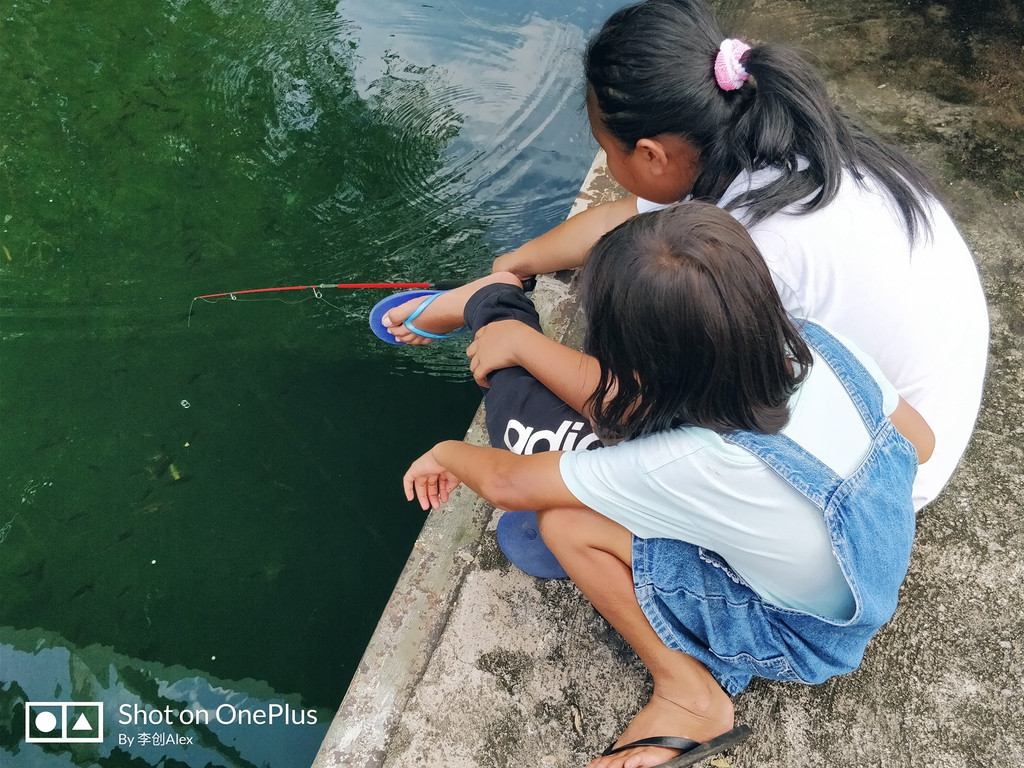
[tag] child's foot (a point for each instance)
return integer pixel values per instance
(442, 316)
(444, 313)
(662, 717)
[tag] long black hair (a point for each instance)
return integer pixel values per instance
(687, 326)
(651, 71)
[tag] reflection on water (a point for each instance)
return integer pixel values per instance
(210, 511)
(153, 715)
(507, 68)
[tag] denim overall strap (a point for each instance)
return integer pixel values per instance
(869, 514)
(860, 385)
(803, 471)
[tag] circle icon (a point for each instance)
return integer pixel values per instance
(46, 721)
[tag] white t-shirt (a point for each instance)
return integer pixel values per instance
(690, 484)
(920, 314)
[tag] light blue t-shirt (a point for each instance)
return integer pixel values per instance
(689, 484)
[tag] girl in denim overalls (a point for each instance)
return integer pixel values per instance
(704, 530)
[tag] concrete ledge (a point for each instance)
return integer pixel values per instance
(455, 568)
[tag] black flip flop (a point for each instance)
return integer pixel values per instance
(692, 751)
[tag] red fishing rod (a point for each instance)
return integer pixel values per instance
(440, 285)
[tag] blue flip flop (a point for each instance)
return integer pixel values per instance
(384, 306)
(519, 538)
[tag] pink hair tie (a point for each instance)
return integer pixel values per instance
(729, 72)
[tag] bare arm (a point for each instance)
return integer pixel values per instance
(570, 374)
(912, 426)
(567, 245)
(507, 480)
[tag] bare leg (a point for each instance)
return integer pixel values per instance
(444, 314)
(688, 702)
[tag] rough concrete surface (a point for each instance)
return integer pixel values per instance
(475, 664)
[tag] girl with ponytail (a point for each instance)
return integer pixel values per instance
(850, 228)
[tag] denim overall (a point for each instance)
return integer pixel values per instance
(698, 605)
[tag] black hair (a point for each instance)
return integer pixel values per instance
(651, 70)
(687, 326)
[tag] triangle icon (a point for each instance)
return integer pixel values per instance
(82, 724)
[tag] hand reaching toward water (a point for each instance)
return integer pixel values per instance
(429, 482)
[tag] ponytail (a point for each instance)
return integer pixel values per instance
(790, 117)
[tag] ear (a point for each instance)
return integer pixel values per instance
(653, 156)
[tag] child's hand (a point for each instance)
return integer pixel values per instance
(495, 346)
(429, 482)
(514, 263)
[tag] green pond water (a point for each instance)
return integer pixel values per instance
(201, 503)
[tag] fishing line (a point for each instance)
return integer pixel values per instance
(317, 291)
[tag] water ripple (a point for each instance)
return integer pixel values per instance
(512, 91)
